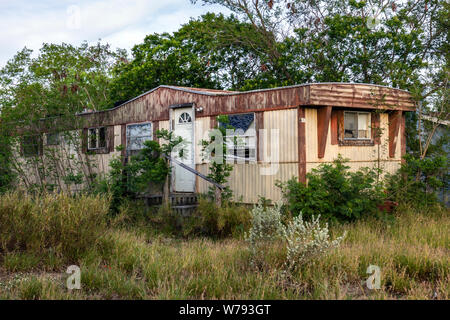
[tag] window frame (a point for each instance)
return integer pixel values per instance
(131, 151)
(369, 129)
(97, 139)
(234, 157)
(38, 146)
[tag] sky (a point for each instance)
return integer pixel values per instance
(117, 22)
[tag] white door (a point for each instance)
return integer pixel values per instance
(184, 180)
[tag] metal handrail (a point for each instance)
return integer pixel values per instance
(181, 164)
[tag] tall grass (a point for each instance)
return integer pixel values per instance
(55, 225)
(412, 252)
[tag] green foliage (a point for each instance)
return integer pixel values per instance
(418, 180)
(334, 192)
(217, 222)
(299, 241)
(306, 241)
(66, 226)
(146, 169)
(219, 169)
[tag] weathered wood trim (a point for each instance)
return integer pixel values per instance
(334, 127)
(301, 125)
(123, 139)
(395, 118)
(323, 122)
(403, 137)
(213, 122)
(375, 127)
(110, 135)
(259, 125)
(84, 142)
(357, 142)
(155, 127)
(340, 121)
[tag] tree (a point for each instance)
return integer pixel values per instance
(44, 94)
(208, 52)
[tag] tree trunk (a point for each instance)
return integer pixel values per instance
(218, 194)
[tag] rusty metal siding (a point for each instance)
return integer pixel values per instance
(153, 106)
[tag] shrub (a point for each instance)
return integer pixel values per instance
(218, 222)
(302, 241)
(418, 180)
(334, 192)
(306, 241)
(64, 225)
(266, 229)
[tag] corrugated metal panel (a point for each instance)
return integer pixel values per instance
(247, 182)
(164, 125)
(202, 127)
(286, 122)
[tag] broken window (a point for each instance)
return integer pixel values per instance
(137, 134)
(356, 125)
(97, 138)
(241, 137)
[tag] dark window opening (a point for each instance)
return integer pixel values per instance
(97, 138)
(31, 146)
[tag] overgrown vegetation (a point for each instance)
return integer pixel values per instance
(138, 263)
(56, 226)
(148, 170)
(215, 151)
(335, 192)
(419, 180)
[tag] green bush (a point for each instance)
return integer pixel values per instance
(334, 193)
(58, 223)
(418, 180)
(217, 222)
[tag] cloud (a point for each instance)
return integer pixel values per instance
(118, 22)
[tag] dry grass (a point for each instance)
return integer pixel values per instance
(412, 252)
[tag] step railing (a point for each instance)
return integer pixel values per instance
(198, 174)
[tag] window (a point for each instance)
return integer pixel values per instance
(96, 138)
(137, 134)
(241, 137)
(185, 118)
(357, 125)
(31, 146)
(53, 139)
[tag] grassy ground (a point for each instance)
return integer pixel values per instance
(412, 251)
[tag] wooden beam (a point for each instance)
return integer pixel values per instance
(123, 139)
(375, 130)
(403, 136)
(155, 125)
(334, 127)
(301, 127)
(395, 118)
(323, 122)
